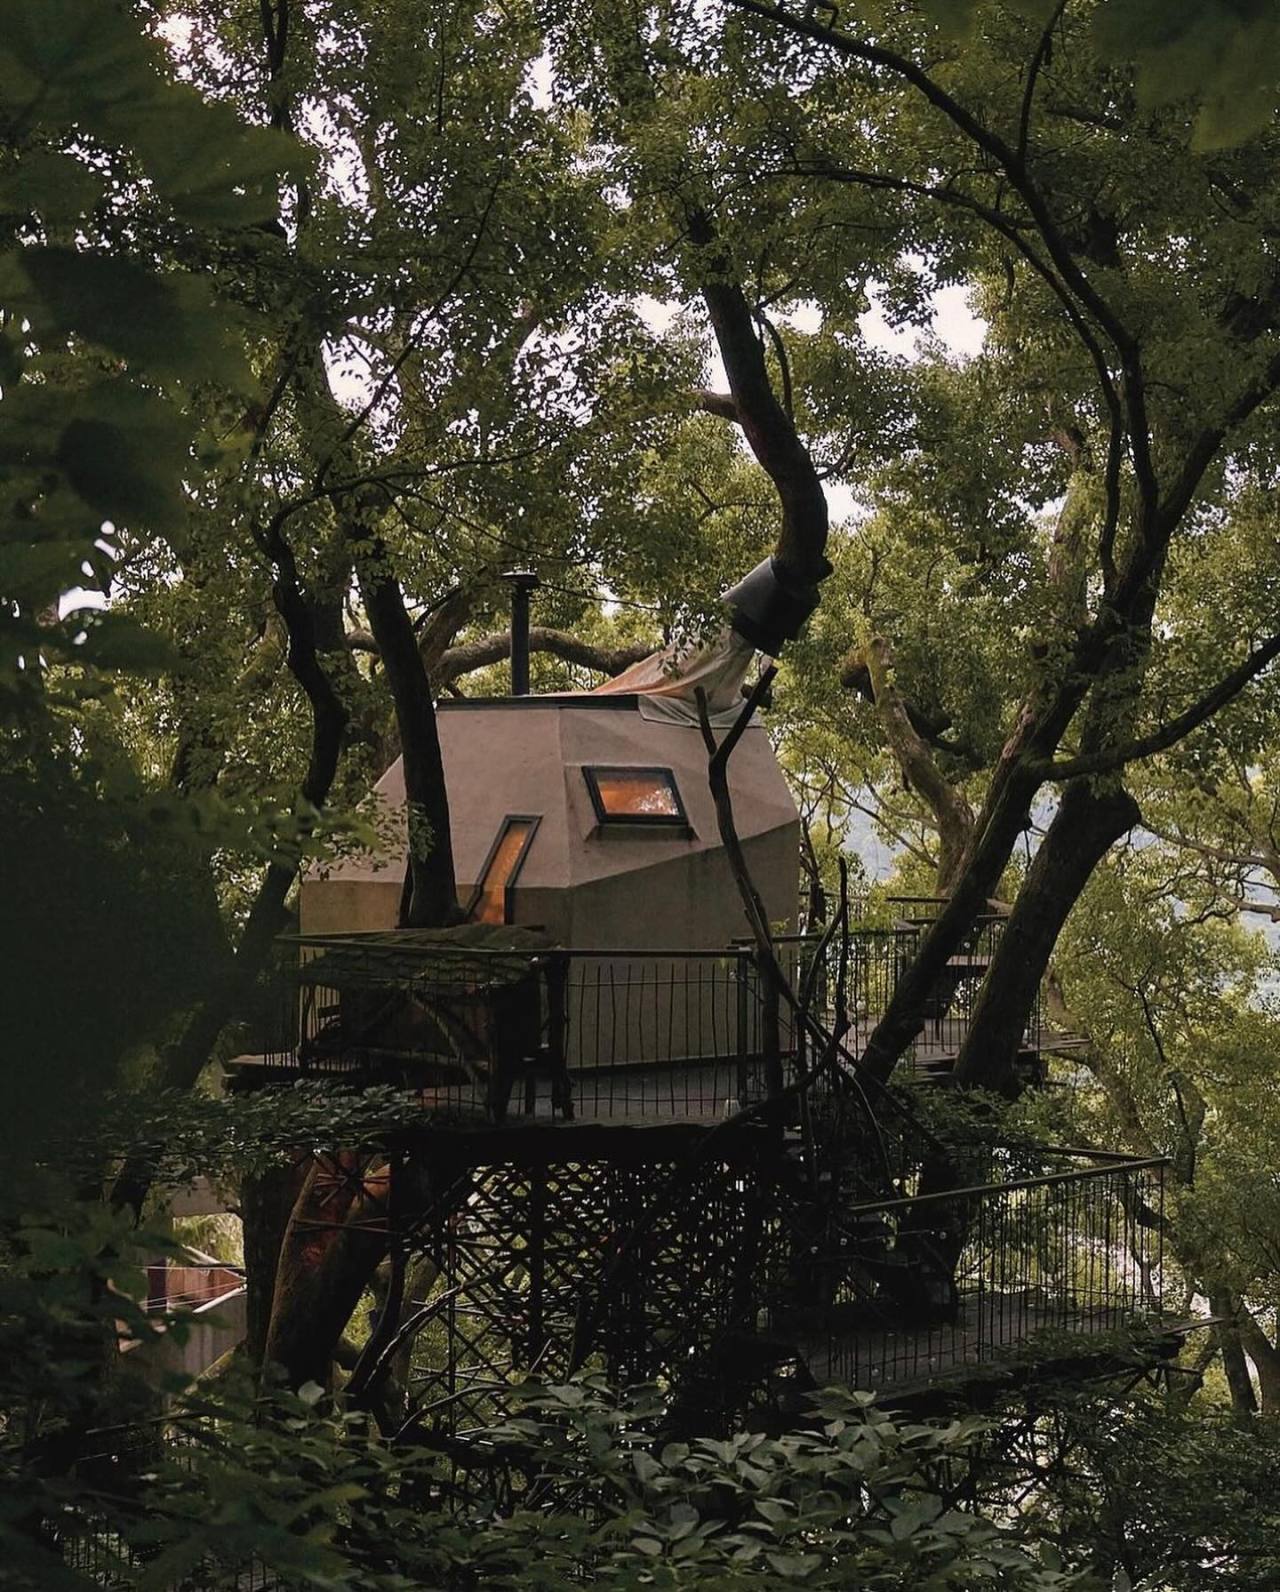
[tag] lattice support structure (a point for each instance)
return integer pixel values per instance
(641, 1266)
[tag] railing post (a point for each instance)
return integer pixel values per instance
(742, 967)
(771, 1038)
(557, 973)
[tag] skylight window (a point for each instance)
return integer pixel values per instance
(635, 796)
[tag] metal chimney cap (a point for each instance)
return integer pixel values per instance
(525, 579)
(768, 607)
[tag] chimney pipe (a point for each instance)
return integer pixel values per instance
(523, 581)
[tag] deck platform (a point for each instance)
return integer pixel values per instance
(699, 1091)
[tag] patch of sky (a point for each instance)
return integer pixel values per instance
(953, 326)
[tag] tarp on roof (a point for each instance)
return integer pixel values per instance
(668, 680)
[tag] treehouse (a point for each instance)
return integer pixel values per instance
(584, 819)
(638, 1151)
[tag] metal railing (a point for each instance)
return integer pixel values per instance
(660, 1034)
(597, 1033)
(951, 1004)
(916, 1290)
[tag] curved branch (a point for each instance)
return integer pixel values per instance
(1038, 61)
(1106, 762)
(856, 676)
(784, 364)
(952, 813)
(768, 428)
(478, 653)
(493, 648)
(1014, 168)
(1011, 231)
(1206, 445)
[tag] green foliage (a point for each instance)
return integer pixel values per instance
(299, 1487)
(104, 937)
(1220, 53)
(435, 332)
(1223, 53)
(71, 1290)
(101, 353)
(1171, 1493)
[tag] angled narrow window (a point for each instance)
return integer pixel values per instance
(492, 900)
(635, 796)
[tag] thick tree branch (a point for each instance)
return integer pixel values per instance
(433, 897)
(720, 404)
(1088, 822)
(439, 627)
(478, 653)
(1112, 758)
(856, 676)
(951, 812)
(469, 655)
(768, 428)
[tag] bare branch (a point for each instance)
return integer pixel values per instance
(481, 651)
(1039, 60)
(493, 648)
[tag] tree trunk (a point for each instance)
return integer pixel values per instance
(266, 1205)
(1086, 825)
(901, 1020)
(1265, 1357)
(1244, 1402)
(433, 894)
(335, 1239)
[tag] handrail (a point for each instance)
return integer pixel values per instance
(1044, 1180)
(731, 952)
(534, 954)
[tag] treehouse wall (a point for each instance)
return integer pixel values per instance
(589, 881)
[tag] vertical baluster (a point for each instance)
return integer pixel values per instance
(669, 1049)
(614, 1058)
(631, 972)
(741, 967)
(598, 1059)
(672, 1045)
